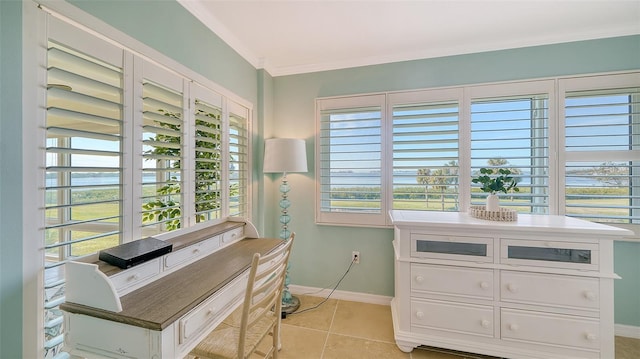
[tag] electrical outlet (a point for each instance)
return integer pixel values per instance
(355, 257)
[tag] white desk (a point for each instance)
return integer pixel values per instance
(164, 307)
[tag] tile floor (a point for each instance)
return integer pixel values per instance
(341, 329)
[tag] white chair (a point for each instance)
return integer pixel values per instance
(261, 312)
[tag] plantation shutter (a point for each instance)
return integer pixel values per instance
(513, 133)
(84, 140)
(238, 148)
(425, 156)
(208, 155)
(602, 144)
(350, 161)
(162, 143)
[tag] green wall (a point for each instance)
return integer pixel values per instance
(284, 108)
(627, 290)
(10, 179)
(167, 27)
(322, 253)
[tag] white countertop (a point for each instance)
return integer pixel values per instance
(529, 222)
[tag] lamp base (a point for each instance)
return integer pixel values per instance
(292, 306)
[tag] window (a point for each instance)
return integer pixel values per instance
(132, 150)
(208, 155)
(425, 151)
(350, 160)
(513, 133)
(602, 148)
(84, 171)
(162, 156)
(238, 149)
(572, 143)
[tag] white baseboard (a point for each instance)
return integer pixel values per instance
(620, 329)
(629, 331)
(341, 294)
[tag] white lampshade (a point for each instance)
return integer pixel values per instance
(282, 155)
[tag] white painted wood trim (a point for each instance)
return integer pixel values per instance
(341, 294)
(628, 331)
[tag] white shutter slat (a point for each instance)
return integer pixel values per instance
(602, 140)
(350, 160)
(208, 161)
(425, 156)
(83, 192)
(238, 149)
(162, 141)
(512, 132)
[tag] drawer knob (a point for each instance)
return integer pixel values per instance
(485, 323)
(196, 251)
(514, 327)
(211, 310)
(590, 295)
(484, 285)
(134, 277)
(590, 337)
(420, 314)
(512, 288)
(419, 279)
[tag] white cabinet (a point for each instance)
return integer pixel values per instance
(540, 287)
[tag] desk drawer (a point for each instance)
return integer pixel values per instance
(135, 275)
(233, 235)
(552, 329)
(547, 289)
(190, 253)
(457, 281)
(212, 311)
(450, 316)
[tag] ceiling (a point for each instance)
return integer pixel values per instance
(298, 36)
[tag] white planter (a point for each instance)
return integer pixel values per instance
(493, 203)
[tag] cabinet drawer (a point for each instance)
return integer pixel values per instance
(558, 254)
(132, 276)
(212, 309)
(190, 253)
(553, 329)
(233, 235)
(548, 289)
(475, 249)
(451, 316)
(457, 281)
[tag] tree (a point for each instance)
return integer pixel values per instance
(424, 178)
(165, 207)
(208, 171)
(439, 179)
(612, 173)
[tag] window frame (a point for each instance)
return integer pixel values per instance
(554, 88)
(588, 83)
(352, 219)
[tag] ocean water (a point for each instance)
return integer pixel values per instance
(340, 179)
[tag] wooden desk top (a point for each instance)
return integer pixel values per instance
(162, 302)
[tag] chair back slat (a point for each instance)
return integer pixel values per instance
(263, 296)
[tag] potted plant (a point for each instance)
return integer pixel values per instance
(494, 181)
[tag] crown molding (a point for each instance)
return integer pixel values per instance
(202, 13)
